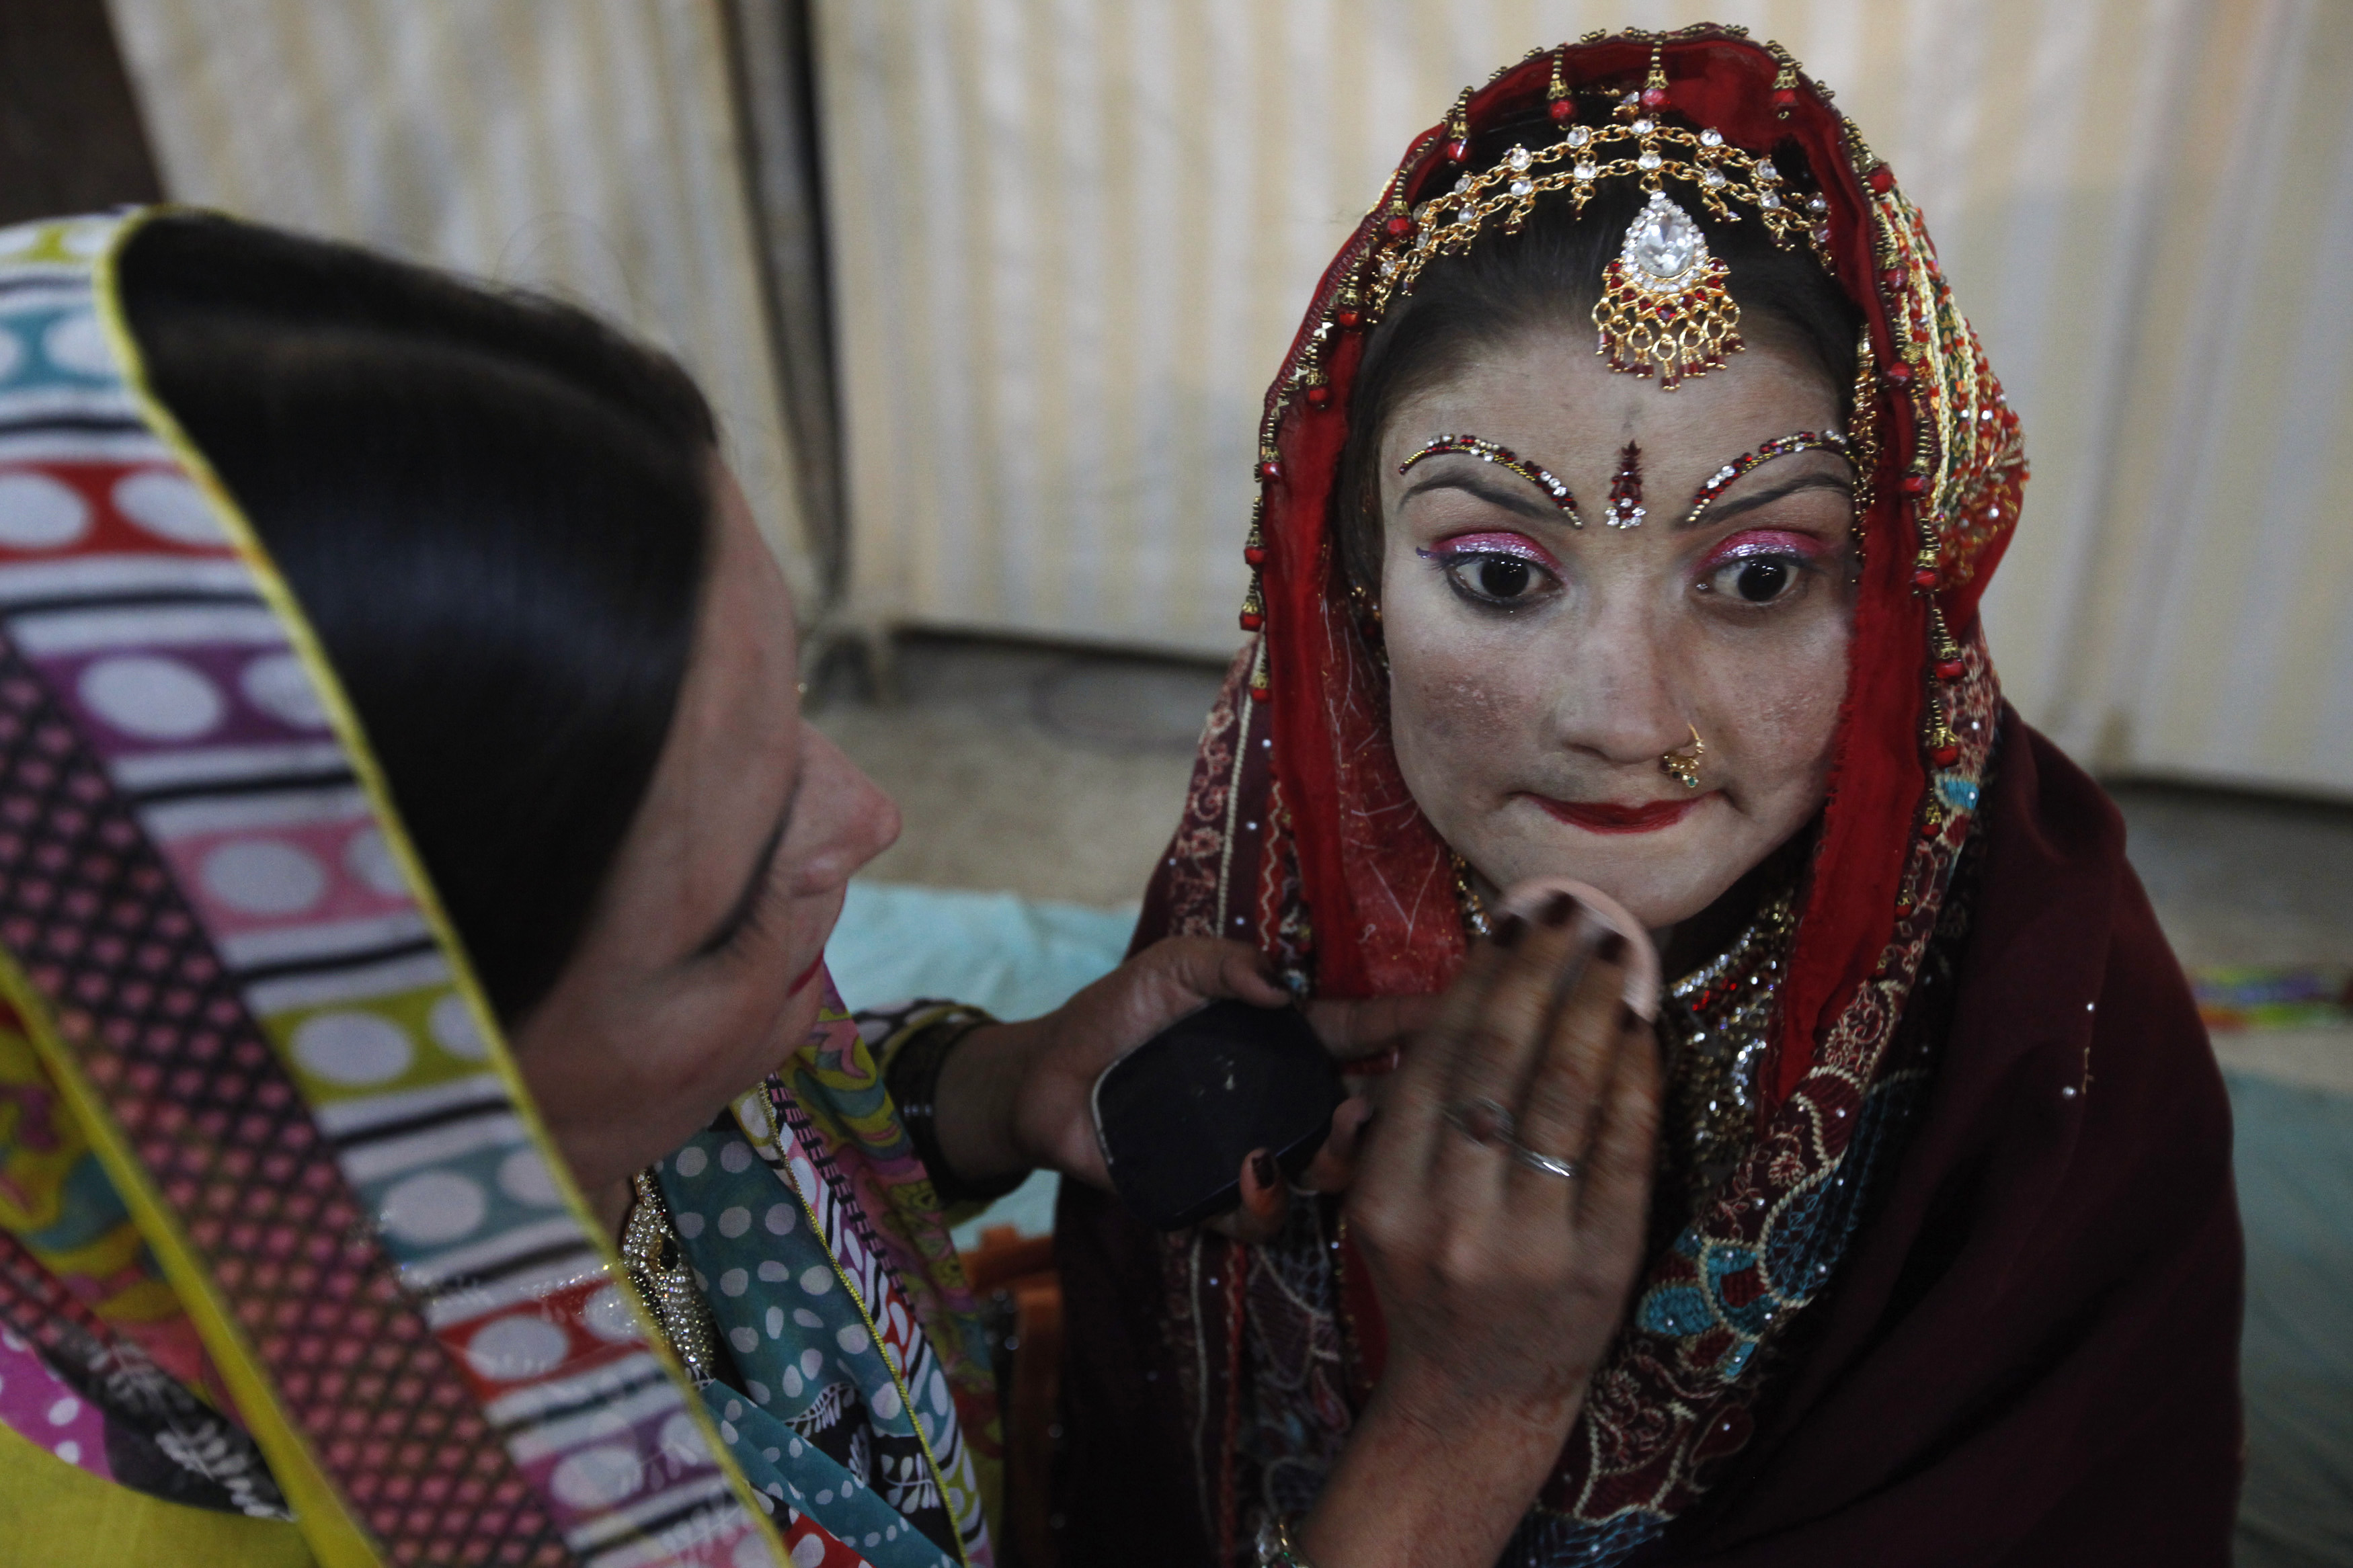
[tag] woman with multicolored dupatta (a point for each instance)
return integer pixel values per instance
(389, 672)
(1626, 499)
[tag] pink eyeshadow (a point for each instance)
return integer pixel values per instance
(1766, 542)
(1518, 546)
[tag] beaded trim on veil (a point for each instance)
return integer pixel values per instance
(1713, 1027)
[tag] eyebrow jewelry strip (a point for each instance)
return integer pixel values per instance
(1502, 457)
(1781, 446)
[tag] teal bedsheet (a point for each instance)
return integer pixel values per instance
(2294, 1157)
(1016, 957)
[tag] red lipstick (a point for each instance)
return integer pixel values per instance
(1607, 816)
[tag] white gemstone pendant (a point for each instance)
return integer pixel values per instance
(1664, 308)
(1663, 246)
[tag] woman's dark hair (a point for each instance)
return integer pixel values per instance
(1548, 276)
(496, 512)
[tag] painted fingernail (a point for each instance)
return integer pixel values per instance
(1611, 949)
(1558, 910)
(1262, 1169)
(1508, 931)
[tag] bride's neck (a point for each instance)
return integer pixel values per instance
(1689, 944)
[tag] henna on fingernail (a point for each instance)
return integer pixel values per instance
(1508, 931)
(1558, 910)
(1611, 949)
(1262, 1169)
(1626, 1016)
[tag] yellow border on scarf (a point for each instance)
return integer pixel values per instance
(62, 1516)
(345, 721)
(334, 1535)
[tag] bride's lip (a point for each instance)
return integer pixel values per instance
(1609, 817)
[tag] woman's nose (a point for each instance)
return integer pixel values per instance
(854, 821)
(1620, 701)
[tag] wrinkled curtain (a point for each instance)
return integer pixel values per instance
(594, 148)
(1070, 238)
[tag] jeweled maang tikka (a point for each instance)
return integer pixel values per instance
(1664, 309)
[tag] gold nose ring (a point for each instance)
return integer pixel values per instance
(1683, 764)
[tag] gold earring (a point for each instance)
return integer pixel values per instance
(1683, 764)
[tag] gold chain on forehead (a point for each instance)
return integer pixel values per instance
(1636, 141)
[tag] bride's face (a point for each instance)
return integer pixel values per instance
(1540, 670)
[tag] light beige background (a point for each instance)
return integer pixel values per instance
(587, 147)
(1073, 237)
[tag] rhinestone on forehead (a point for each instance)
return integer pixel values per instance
(1626, 490)
(1664, 248)
(1786, 446)
(1502, 457)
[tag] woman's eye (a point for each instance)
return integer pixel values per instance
(1497, 579)
(1758, 579)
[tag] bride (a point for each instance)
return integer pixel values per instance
(1625, 504)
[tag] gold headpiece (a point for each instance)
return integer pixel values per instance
(1665, 307)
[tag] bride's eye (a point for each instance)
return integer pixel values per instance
(1501, 579)
(1756, 572)
(1761, 582)
(1495, 577)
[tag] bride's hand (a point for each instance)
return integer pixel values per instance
(1501, 1282)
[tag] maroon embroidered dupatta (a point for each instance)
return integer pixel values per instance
(1906, 1320)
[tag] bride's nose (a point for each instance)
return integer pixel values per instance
(1620, 701)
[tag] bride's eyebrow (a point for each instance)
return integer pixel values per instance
(1502, 457)
(1787, 445)
(1815, 481)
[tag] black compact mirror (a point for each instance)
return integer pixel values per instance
(1177, 1115)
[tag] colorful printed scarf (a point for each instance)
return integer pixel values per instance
(280, 1231)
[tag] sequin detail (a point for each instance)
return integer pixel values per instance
(1502, 457)
(1714, 1030)
(1781, 446)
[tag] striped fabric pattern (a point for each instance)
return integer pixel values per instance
(251, 935)
(780, 1132)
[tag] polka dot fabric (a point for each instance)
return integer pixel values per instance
(815, 1415)
(44, 1407)
(200, 890)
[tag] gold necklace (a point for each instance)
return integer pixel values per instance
(664, 1281)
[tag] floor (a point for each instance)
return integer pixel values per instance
(1058, 775)
(1033, 770)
